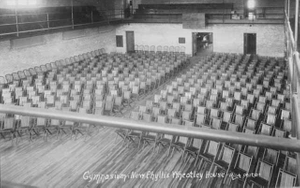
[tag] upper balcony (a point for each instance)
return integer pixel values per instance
(214, 14)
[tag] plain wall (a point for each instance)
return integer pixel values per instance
(226, 38)
(54, 47)
(237, 3)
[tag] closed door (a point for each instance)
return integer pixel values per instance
(249, 43)
(194, 39)
(130, 41)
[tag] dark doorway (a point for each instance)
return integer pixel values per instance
(130, 41)
(202, 43)
(249, 43)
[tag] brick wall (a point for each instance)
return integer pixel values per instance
(269, 39)
(55, 47)
(226, 38)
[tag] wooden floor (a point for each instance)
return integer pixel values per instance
(102, 160)
(76, 163)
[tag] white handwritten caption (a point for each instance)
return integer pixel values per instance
(100, 178)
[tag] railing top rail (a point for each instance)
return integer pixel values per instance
(195, 132)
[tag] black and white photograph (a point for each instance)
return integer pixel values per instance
(149, 94)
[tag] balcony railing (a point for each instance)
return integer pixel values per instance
(169, 14)
(292, 56)
(193, 132)
(15, 22)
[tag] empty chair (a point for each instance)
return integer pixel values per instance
(255, 114)
(186, 115)
(250, 124)
(118, 105)
(108, 106)
(8, 126)
(242, 165)
(265, 129)
(180, 143)
(26, 126)
(201, 110)
(285, 179)
(200, 120)
(290, 164)
(238, 119)
(227, 116)
(264, 171)
(225, 159)
(172, 113)
(238, 109)
(285, 114)
(210, 152)
(270, 119)
(147, 117)
(215, 123)
(260, 106)
(271, 156)
(162, 119)
(232, 127)
(194, 148)
(166, 140)
(214, 113)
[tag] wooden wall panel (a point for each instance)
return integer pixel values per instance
(193, 20)
(73, 34)
(27, 42)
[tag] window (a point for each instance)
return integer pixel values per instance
(181, 40)
(119, 40)
(251, 4)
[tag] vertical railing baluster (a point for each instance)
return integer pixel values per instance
(48, 21)
(17, 22)
(72, 14)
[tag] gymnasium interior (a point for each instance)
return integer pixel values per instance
(149, 93)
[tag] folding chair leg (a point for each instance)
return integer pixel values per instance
(143, 144)
(172, 152)
(169, 148)
(140, 139)
(12, 138)
(245, 182)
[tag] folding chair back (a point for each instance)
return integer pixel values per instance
(285, 179)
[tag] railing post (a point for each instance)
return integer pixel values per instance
(295, 72)
(285, 6)
(92, 16)
(48, 24)
(72, 13)
(294, 76)
(296, 23)
(17, 22)
(296, 128)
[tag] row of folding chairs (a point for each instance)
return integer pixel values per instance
(9, 78)
(16, 127)
(225, 157)
(238, 118)
(94, 96)
(68, 84)
(159, 49)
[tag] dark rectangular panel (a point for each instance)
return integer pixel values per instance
(193, 20)
(119, 40)
(27, 42)
(249, 43)
(130, 41)
(181, 40)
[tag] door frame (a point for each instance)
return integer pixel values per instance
(127, 39)
(194, 43)
(246, 43)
